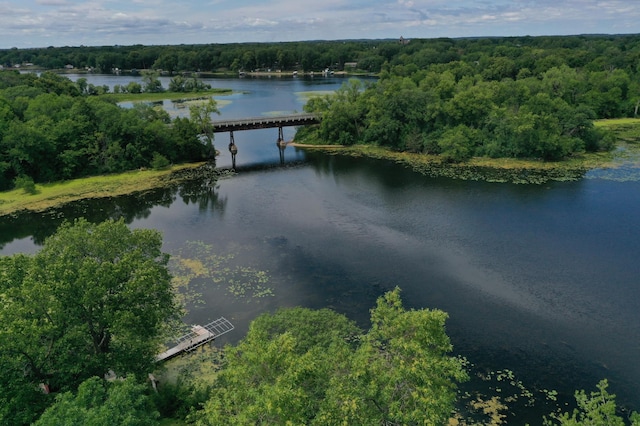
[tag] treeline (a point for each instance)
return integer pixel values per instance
(508, 100)
(500, 57)
(210, 57)
(50, 130)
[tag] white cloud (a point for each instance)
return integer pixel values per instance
(71, 22)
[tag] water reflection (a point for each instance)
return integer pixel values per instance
(39, 226)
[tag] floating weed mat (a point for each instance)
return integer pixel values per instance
(196, 263)
(482, 169)
(624, 166)
(494, 397)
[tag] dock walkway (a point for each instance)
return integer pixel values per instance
(198, 336)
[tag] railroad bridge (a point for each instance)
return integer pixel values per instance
(264, 122)
(252, 123)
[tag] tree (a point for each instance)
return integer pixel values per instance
(101, 403)
(596, 409)
(26, 184)
(456, 144)
(400, 373)
(200, 115)
(151, 81)
(95, 298)
(300, 366)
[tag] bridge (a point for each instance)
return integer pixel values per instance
(252, 123)
(264, 122)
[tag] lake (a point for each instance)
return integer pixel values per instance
(539, 279)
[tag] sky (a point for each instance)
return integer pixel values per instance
(43, 23)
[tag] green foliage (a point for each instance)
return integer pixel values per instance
(97, 402)
(49, 136)
(300, 366)
(595, 409)
(26, 184)
(200, 115)
(456, 144)
(180, 83)
(159, 161)
(95, 298)
(520, 98)
(151, 81)
(133, 87)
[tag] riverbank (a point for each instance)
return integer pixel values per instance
(59, 193)
(509, 170)
(488, 169)
(503, 170)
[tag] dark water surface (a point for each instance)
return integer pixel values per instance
(540, 279)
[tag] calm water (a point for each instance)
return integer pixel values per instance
(542, 280)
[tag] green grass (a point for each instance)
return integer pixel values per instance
(55, 194)
(626, 129)
(161, 96)
(614, 122)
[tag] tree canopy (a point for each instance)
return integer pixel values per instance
(96, 298)
(101, 403)
(433, 113)
(300, 366)
(52, 129)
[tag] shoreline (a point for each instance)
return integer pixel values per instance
(56, 194)
(501, 170)
(495, 170)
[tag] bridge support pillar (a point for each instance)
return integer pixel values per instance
(280, 135)
(281, 144)
(233, 149)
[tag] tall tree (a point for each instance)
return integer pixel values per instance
(95, 298)
(313, 367)
(200, 115)
(102, 403)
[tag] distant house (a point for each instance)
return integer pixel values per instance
(352, 65)
(404, 41)
(68, 67)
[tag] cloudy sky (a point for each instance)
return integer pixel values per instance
(41, 23)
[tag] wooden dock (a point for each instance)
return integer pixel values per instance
(198, 336)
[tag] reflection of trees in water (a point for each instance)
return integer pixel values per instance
(204, 193)
(200, 189)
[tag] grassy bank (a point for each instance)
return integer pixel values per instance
(55, 194)
(626, 129)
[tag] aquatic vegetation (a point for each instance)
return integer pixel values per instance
(494, 397)
(198, 262)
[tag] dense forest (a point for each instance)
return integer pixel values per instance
(212, 57)
(518, 98)
(52, 129)
(494, 58)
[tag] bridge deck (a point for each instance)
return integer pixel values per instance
(264, 122)
(198, 336)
